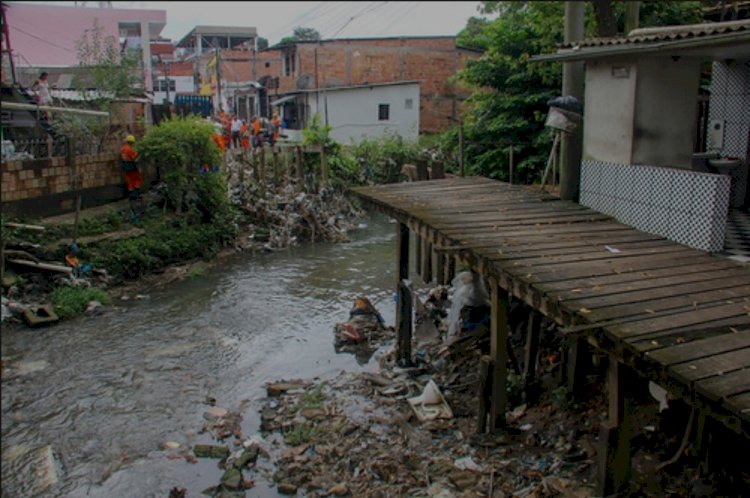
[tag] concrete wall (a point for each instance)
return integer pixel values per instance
(353, 113)
(665, 111)
(609, 111)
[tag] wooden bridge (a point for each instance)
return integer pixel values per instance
(657, 309)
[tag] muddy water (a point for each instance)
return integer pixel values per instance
(87, 404)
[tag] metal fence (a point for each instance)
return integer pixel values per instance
(43, 148)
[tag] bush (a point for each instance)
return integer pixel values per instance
(380, 159)
(180, 147)
(71, 301)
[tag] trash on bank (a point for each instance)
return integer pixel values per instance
(431, 404)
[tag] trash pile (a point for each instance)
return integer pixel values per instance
(283, 215)
(411, 431)
(364, 332)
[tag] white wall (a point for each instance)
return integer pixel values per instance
(353, 112)
(665, 113)
(609, 108)
(183, 84)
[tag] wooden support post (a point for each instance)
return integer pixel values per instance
(439, 267)
(450, 268)
(510, 164)
(404, 307)
(616, 432)
(323, 166)
(418, 253)
(276, 175)
(531, 352)
(298, 162)
(484, 392)
(426, 271)
(461, 167)
(262, 171)
(438, 170)
(422, 173)
(499, 355)
(574, 365)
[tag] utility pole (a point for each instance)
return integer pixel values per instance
(218, 76)
(572, 143)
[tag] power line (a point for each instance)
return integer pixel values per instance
(43, 40)
(372, 8)
(334, 21)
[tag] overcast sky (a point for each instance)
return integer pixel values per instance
(275, 20)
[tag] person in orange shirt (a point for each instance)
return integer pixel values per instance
(245, 136)
(277, 126)
(133, 178)
(256, 132)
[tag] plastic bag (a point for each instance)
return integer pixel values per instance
(469, 290)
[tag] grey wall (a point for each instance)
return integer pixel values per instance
(609, 111)
(665, 113)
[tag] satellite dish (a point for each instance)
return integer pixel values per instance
(304, 81)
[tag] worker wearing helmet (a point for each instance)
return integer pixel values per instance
(133, 178)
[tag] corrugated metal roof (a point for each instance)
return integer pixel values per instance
(665, 33)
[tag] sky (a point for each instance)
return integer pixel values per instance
(274, 20)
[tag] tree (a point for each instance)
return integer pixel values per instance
(107, 69)
(262, 43)
(306, 34)
(301, 34)
(509, 100)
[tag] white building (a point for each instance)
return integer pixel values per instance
(354, 112)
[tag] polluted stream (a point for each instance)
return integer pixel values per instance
(88, 405)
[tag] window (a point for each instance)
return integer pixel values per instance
(408, 103)
(289, 63)
(160, 85)
(383, 112)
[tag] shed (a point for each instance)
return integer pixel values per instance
(640, 126)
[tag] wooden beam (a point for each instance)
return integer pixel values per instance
(616, 432)
(404, 306)
(531, 352)
(499, 355)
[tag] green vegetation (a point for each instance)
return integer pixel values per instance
(382, 158)
(301, 434)
(71, 301)
(180, 148)
(311, 399)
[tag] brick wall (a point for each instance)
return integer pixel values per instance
(431, 61)
(44, 187)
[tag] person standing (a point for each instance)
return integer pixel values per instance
(277, 126)
(236, 127)
(256, 132)
(41, 88)
(133, 178)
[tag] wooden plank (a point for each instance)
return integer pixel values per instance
(608, 267)
(595, 284)
(710, 366)
(563, 247)
(688, 333)
(642, 327)
(686, 302)
(700, 349)
(588, 255)
(723, 386)
(653, 281)
(638, 295)
(739, 403)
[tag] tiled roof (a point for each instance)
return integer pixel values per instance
(669, 33)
